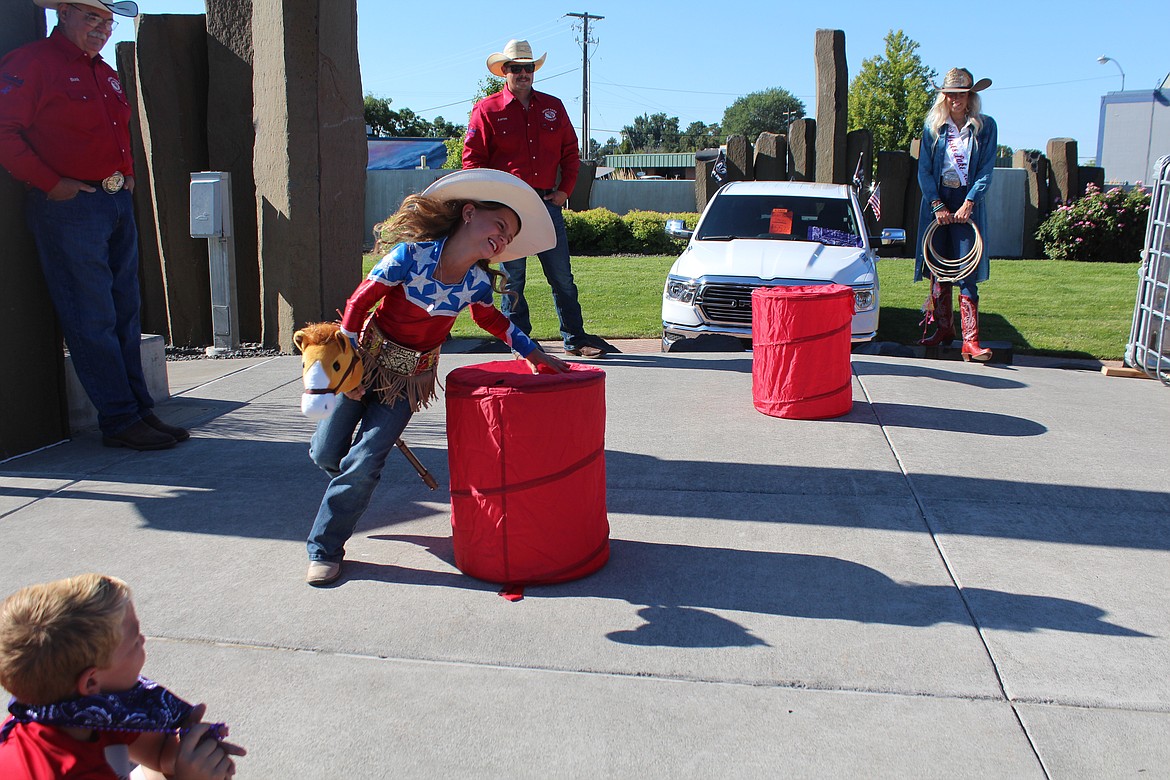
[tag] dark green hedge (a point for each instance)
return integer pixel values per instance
(601, 232)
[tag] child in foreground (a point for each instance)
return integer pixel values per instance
(450, 235)
(70, 654)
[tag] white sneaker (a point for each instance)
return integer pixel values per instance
(323, 572)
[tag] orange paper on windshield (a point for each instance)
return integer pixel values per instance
(781, 222)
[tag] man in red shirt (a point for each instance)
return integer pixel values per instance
(64, 132)
(528, 134)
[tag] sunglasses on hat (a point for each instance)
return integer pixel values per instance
(517, 67)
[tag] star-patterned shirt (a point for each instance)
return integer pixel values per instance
(418, 311)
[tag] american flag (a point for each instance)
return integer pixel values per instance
(875, 201)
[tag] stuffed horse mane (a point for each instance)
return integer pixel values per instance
(329, 365)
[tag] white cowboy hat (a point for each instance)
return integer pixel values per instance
(536, 232)
(122, 8)
(961, 80)
(514, 51)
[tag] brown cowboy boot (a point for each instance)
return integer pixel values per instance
(943, 315)
(969, 313)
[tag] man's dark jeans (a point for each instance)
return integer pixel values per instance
(88, 247)
(559, 273)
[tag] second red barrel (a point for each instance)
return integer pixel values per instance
(801, 339)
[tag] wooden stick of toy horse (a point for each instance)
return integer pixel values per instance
(331, 366)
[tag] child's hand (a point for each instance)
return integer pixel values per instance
(543, 363)
(357, 394)
(201, 756)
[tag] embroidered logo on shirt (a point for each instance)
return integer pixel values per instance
(550, 115)
(115, 85)
(470, 133)
(17, 80)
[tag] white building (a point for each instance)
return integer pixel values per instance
(1133, 133)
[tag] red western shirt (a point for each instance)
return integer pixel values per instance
(530, 144)
(62, 114)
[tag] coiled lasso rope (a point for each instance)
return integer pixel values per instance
(944, 269)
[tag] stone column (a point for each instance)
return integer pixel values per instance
(1062, 173)
(1090, 174)
(150, 278)
(705, 186)
(230, 138)
(739, 159)
(832, 107)
(172, 95)
(771, 157)
(1035, 167)
(579, 197)
(802, 142)
(913, 200)
(859, 147)
(35, 407)
(309, 161)
(894, 171)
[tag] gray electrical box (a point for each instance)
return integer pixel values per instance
(209, 191)
(211, 218)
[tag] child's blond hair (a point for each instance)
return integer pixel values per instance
(51, 632)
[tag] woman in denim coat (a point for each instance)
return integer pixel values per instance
(955, 165)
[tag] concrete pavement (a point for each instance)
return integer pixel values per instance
(966, 576)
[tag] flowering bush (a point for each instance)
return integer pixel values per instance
(1101, 227)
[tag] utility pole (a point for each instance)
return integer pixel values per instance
(585, 17)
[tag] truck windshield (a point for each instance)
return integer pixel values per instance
(781, 217)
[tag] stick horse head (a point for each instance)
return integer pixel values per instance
(329, 365)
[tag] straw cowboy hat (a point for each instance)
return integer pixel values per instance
(961, 80)
(123, 8)
(514, 51)
(536, 232)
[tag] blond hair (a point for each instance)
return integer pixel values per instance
(422, 218)
(936, 117)
(52, 632)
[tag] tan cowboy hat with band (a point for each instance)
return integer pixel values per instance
(514, 51)
(961, 80)
(536, 232)
(123, 8)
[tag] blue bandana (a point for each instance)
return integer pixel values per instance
(146, 707)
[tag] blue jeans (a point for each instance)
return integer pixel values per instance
(354, 464)
(559, 272)
(88, 247)
(956, 240)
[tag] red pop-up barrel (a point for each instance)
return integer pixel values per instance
(800, 351)
(527, 459)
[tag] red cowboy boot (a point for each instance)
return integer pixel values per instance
(943, 315)
(969, 313)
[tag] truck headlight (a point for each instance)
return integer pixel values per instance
(681, 290)
(862, 299)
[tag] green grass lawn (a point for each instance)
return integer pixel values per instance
(1041, 306)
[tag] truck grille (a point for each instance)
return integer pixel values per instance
(726, 303)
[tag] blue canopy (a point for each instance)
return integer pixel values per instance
(397, 154)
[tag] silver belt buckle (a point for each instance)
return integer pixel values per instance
(114, 182)
(951, 182)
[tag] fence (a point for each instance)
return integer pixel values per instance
(1149, 338)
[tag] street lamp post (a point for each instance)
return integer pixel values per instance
(1103, 59)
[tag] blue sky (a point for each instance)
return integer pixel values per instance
(691, 60)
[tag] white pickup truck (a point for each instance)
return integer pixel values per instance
(769, 233)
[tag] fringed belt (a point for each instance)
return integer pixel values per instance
(394, 372)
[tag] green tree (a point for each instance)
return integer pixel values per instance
(652, 133)
(700, 135)
(891, 94)
(767, 111)
(386, 122)
(488, 85)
